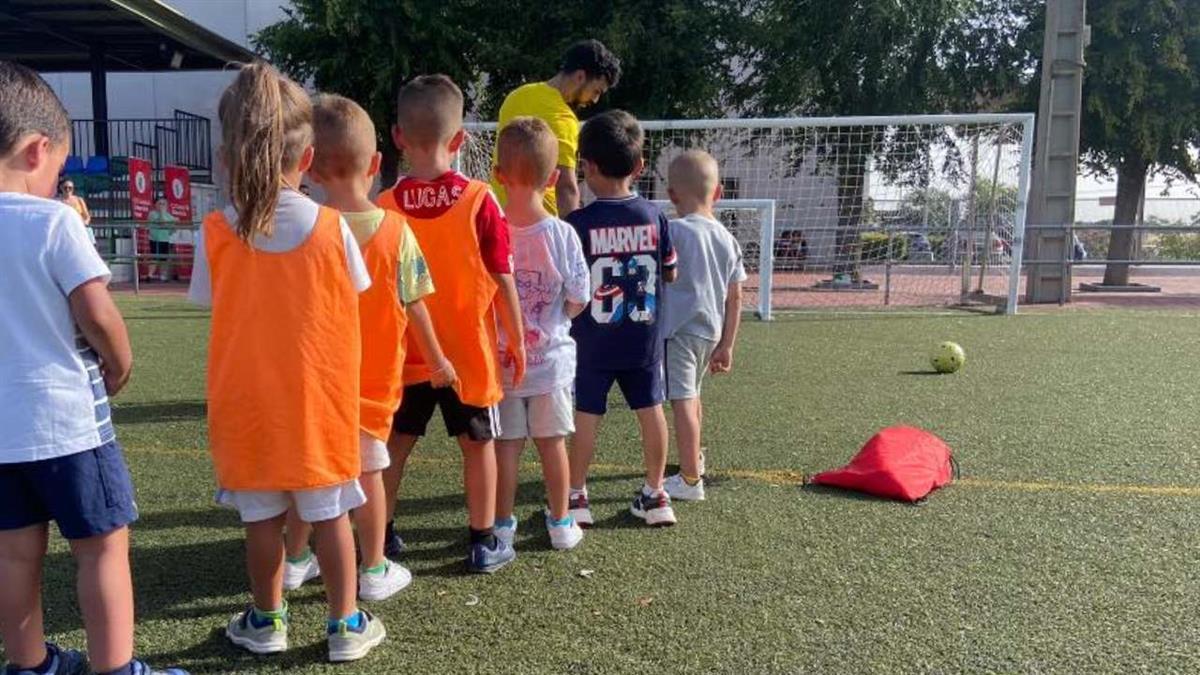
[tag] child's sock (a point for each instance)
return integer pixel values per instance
(509, 522)
(649, 491)
(485, 536)
(302, 558)
(376, 570)
(581, 492)
(559, 522)
(353, 622)
(262, 618)
(690, 480)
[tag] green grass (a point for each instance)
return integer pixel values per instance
(763, 577)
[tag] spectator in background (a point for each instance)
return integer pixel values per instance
(160, 239)
(66, 195)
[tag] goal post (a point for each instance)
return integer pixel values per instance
(863, 212)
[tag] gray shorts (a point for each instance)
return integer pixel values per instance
(685, 363)
(546, 416)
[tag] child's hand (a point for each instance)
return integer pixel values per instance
(516, 358)
(114, 379)
(721, 361)
(444, 375)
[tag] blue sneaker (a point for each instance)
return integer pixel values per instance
(506, 529)
(393, 545)
(140, 668)
(62, 662)
(484, 560)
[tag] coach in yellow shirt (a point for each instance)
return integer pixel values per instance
(588, 70)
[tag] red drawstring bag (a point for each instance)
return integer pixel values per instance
(902, 463)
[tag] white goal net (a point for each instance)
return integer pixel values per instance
(860, 213)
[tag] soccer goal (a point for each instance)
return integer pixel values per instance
(856, 212)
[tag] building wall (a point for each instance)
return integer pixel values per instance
(155, 95)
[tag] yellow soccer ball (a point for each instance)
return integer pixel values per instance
(948, 357)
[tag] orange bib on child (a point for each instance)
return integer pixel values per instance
(461, 308)
(283, 361)
(382, 320)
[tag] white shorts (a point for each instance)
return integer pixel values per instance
(685, 363)
(312, 506)
(374, 453)
(544, 416)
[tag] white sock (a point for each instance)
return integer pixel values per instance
(649, 491)
(581, 491)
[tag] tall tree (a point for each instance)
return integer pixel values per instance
(675, 53)
(877, 57)
(1141, 103)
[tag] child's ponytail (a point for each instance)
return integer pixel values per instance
(266, 124)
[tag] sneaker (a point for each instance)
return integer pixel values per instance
(393, 545)
(679, 489)
(506, 529)
(62, 662)
(296, 573)
(484, 560)
(564, 535)
(140, 668)
(373, 586)
(351, 644)
(577, 508)
(654, 509)
(270, 638)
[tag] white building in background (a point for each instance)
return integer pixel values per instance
(159, 95)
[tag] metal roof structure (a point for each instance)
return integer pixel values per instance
(111, 36)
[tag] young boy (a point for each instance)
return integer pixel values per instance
(65, 352)
(627, 245)
(345, 164)
(552, 281)
(703, 307)
(465, 239)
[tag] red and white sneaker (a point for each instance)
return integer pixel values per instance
(655, 509)
(577, 508)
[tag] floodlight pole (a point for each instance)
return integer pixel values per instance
(1056, 158)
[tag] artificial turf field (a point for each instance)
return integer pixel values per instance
(1068, 546)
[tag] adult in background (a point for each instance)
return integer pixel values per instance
(586, 72)
(160, 238)
(66, 195)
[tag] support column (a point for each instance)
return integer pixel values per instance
(1056, 160)
(99, 102)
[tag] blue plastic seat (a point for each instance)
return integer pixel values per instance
(74, 164)
(96, 165)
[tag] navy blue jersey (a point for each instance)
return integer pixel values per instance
(627, 245)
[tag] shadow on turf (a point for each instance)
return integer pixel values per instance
(826, 491)
(217, 655)
(166, 411)
(920, 372)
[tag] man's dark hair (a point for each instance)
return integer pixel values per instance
(594, 59)
(612, 141)
(28, 106)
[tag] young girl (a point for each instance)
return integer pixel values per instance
(282, 276)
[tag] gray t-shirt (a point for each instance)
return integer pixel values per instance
(709, 260)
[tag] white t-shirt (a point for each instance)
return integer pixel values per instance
(710, 259)
(549, 269)
(295, 219)
(52, 397)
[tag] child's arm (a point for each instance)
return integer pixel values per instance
(510, 321)
(86, 215)
(101, 324)
(566, 191)
(427, 343)
(722, 357)
(578, 277)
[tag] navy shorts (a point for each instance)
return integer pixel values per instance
(87, 493)
(642, 387)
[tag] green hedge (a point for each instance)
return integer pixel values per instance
(875, 246)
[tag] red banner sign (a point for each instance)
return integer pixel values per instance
(141, 188)
(179, 192)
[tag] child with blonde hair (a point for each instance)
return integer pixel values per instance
(552, 283)
(345, 164)
(282, 276)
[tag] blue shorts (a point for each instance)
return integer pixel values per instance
(642, 387)
(88, 493)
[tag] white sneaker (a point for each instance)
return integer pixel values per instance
(295, 574)
(393, 579)
(577, 508)
(506, 532)
(564, 537)
(679, 489)
(655, 509)
(348, 644)
(269, 639)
